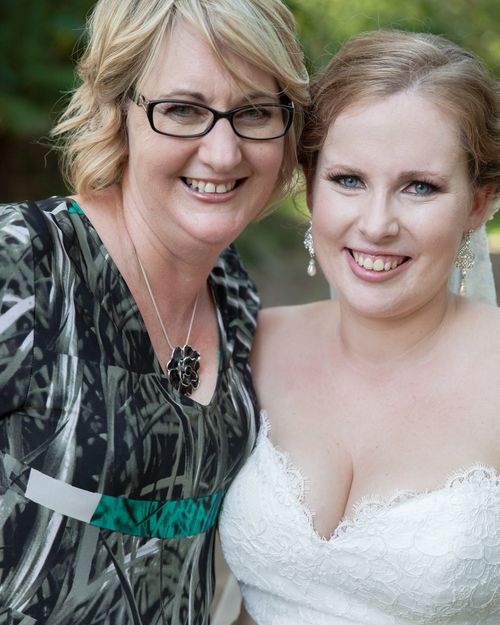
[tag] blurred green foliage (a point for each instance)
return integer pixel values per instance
(324, 25)
(39, 42)
(37, 45)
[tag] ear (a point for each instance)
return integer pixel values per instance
(480, 205)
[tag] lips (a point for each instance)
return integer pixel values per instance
(377, 262)
(208, 186)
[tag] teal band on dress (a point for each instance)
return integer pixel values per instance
(155, 519)
(74, 208)
(171, 518)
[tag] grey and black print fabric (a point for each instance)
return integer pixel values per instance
(110, 481)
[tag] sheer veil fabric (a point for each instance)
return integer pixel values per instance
(480, 283)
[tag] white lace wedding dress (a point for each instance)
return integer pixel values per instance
(430, 557)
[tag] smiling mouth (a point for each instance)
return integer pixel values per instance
(204, 186)
(372, 262)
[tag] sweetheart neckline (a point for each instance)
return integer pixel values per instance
(476, 472)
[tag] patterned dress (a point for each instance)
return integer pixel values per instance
(110, 481)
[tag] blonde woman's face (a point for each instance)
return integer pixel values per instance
(204, 189)
(390, 201)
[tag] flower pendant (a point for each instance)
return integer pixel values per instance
(182, 369)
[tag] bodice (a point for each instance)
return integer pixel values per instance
(413, 558)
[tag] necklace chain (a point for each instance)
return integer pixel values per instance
(150, 291)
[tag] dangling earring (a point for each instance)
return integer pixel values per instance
(465, 260)
(309, 245)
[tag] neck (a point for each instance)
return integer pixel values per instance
(173, 261)
(385, 342)
(177, 260)
(177, 273)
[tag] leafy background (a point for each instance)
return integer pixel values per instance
(40, 40)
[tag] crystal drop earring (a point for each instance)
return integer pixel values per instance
(309, 245)
(465, 260)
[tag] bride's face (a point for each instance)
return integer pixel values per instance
(390, 201)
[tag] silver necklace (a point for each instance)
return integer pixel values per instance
(184, 364)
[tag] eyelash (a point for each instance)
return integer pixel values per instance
(338, 178)
(433, 188)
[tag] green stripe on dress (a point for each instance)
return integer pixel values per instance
(74, 208)
(156, 519)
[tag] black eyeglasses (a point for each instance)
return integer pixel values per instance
(184, 119)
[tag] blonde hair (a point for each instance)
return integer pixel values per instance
(124, 40)
(382, 63)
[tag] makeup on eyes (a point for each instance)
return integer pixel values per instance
(354, 180)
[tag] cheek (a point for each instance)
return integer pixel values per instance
(330, 218)
(159, 157)
(268, 159)
(443, 229)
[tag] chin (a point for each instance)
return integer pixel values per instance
(215, 235)
(375, 305)
(220, 229)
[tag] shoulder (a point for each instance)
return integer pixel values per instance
(30, 231)
(231, 272)
(287, 335)
(33, 216)
(483, 318)
(480, 328)
(17, 306)
(15, 235)
(235, 291)
(237, 301)
(294, 322)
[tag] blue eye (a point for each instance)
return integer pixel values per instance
(350, 182)
(419, 187)
(347, 182)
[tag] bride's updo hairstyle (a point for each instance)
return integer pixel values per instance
(382, 63)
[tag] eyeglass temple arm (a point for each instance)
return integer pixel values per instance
(137, 98)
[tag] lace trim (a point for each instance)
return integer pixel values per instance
(298, 482)
(370, 505)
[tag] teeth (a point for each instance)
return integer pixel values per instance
(376, 264)
(210, 187)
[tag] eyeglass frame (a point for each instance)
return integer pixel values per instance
(148, 107)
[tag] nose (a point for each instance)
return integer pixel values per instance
(220, 149)
(379, 218)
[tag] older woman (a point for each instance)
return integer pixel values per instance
(126, 399)
(373, 494)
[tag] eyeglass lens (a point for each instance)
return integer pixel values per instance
(183, 119)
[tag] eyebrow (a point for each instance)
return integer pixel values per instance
(197, 95)
(416, 174)
(346, 168)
